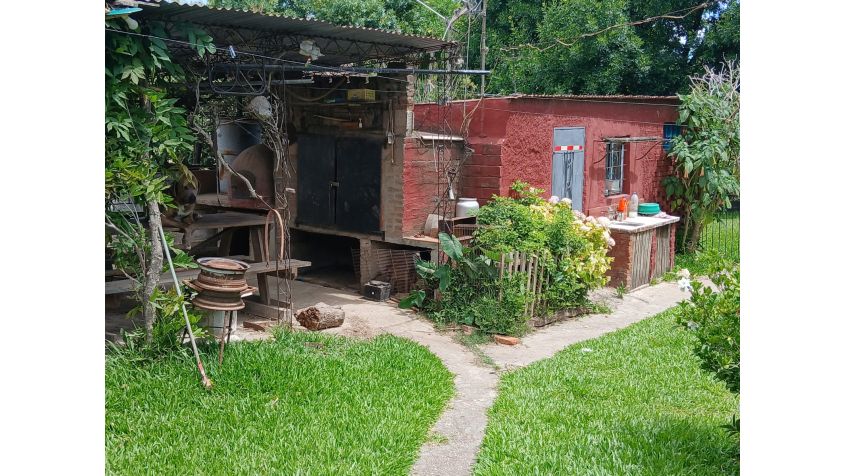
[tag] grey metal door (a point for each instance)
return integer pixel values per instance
(568, 164)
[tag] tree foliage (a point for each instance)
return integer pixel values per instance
(147, 138)
(651, 58)
(402, 15)
(706, 156)
(147, 133)
(524, 38)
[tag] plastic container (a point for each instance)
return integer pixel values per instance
(634, 202)
(649, 209)
(622, 208)
(466, 207)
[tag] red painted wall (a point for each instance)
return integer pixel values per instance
(420, 182)
(512, 140)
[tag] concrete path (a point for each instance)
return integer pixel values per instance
(545, 342)
(465, 418)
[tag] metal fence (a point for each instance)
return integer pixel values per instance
(723, 234)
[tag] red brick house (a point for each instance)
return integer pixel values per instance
(618, 143)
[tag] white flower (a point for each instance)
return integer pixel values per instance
(567, 201)
(554, 199)
(587, 349)
(611, 242)
(604, 221)
(584, 228)
(684, 284)
(684, 273)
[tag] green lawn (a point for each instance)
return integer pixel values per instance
(346, 407)
(636, 404)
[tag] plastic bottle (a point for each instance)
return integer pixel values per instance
(621, 209)
(633, 203)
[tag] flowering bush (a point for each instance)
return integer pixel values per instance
(572, 246)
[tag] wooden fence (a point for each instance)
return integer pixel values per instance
(537, 281)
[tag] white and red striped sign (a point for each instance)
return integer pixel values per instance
(567, 148)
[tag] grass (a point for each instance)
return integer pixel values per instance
(719, 238)
(282, 407)
(473, 341)
(637, 403)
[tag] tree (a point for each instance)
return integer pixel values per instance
(402, 15)
(147, 138)
(556, 49)
(706, 156)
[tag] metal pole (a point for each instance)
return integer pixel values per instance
(482, 42)
(206, 381)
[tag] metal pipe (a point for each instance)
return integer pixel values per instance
(206, 382)
(342, 69)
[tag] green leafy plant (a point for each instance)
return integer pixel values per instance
(713, 316)
(167, 330)
(621, 290)
(414, 299)
(471, 290)
(147, 139)
(706, 155)
(571, 247)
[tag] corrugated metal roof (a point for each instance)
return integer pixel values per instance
(340, 44)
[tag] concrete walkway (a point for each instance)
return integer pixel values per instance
(545, 342)
(465, 418)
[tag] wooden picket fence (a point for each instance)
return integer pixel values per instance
(537, 280)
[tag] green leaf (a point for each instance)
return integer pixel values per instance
(450, 245)
(444, 275)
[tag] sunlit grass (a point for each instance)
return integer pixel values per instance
(286, 407)
(633, 402)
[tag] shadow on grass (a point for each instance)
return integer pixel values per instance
(672, 445)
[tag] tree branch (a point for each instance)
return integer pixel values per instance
(674, 15)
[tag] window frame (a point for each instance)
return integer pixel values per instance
(612, 147)
(671, 131)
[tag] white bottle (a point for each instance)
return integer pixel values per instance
(633, 203)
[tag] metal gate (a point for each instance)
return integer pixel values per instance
(568, 164)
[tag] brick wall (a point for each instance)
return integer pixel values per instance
(481, 174)
(620, 271)
(422, 184)
(515, 135)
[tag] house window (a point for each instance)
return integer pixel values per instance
(614, 155)
(670, 130)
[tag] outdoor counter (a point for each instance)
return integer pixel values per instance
(643, 250)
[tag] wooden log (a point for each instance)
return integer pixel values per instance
(320, 316)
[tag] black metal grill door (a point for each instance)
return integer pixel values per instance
(359, 172)
(315, 180)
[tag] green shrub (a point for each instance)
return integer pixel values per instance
(167, 329)
(571, 247)
(502, 315)
(714, 318)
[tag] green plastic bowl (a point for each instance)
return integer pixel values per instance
(648, 209)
